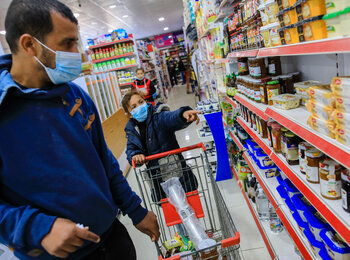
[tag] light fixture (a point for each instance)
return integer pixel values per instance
(161, 19)
(125, 16)
(76, 15)
(166, 28)
(93, 23)
(112, 6)
(3, 32)
(170, 36)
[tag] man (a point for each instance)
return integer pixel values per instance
(172, 72)
(182, 70)
(55, 167)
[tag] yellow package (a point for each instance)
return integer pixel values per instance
(342, 119)
(173, 243)
(325, 127)
(342, 104)
(341, 86)
(319, 110)
(322, 95)
(343, 136)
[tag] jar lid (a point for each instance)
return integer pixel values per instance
(305, 146)
(314, 153)
(329, 162)
(272, 82)
(290, 134)
(283, 129)
(276, 126)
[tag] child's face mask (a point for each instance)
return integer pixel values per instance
(140, 113)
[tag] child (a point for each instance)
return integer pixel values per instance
(151, 130)
(145, 86)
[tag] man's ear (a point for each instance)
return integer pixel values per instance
(28, 44)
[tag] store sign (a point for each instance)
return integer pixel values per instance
(164, 40)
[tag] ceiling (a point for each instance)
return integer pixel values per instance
(96, 17)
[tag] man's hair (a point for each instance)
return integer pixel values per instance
(127, 97)
(32, 17)
(140, 69)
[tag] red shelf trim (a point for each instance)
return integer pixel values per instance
(229, 100)
(113, 58)
(316, 202)
(322, 46)
(329, 148)
(110, 43)
(125, 84)
(253, 108)
(266, 241)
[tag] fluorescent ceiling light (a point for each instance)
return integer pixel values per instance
(161, 19)
(93, 23)
(112, 6)
(76, 15)
(170, 36)
(3, 32)
(166, 28)
(125, 16)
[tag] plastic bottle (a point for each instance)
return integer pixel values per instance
(118, 63)
(275, 222)
(104, 66)
(124, 49)
(108, 55)
(133, 61)
(116, 50)
(97, 55)
(262, 204)
(121, 52)
(109, 66)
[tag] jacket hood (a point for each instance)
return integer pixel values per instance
(9, 87)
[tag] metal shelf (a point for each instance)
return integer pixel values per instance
(110, 43)
(114, 57)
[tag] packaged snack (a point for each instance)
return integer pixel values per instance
(173, 243)
(186, 244)
(289, 34)
(283, 4)
(310, 8)
(316, 246)
(316, 224)
(272, 10)
(264, 159)
(302, 88)
(290, 188)
(311, 29)
(301, 207)
(265, 31)
(286, 101)
(290, 16)
(342, 135)
(342, 119)
(342, 104)
(333, 22)
(322, 95)
(325, 127)
(341, 86)
(319, 110)
(336, 247)
(274, 35)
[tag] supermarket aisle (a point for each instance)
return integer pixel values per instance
(252, 245)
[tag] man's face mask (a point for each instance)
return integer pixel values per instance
(68, 66)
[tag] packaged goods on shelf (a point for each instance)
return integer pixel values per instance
(325, 127)
(320, 110)
(341, 87)
(302, 88)
(286, 101)
(310, 8)
(336, 247)
(330, 179)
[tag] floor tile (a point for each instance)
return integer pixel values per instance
(256, 254)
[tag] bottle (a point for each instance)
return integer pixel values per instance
(124, 49)
(108, 55)
(275, 222)
(252, 186)
(262, 204)
(97, 55)
(111, 50)
(116, 50)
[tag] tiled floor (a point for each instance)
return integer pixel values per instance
(252, 245)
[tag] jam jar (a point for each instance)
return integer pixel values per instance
(313, 159)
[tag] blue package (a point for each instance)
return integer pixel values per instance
(324, 255)
(280, 180)
(316, 245)
(282, 192)
(302, 225)
(335, 246)
(301, 206)
(290, 205)
(290, 188)
(268, 171)
(316, 224)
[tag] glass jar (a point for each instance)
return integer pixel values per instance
(303, 147)
(257, 68)
(275, 68)
(273, 89)
(313, 159)
(256, 86)
(292, 141)
(276, 137)
(269, 131)
(254, 121)
(263, 128)
(287, 85)
(330, 179)
(345, 189)
(243, 66)
(263, 93)
(283, 141)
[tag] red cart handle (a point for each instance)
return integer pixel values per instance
(176, 151)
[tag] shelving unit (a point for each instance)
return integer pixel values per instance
(116, 69)
(110, 43)
(113, 58)
(269, 186)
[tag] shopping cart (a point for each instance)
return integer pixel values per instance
(204, 196)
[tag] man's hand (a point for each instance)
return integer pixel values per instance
(191, 116)
(149, 226)
(139, 159)
(65, 238)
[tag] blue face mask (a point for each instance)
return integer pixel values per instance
(140, 113)
(68, 66)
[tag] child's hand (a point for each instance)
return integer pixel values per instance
(139, 159)
(191, 116)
